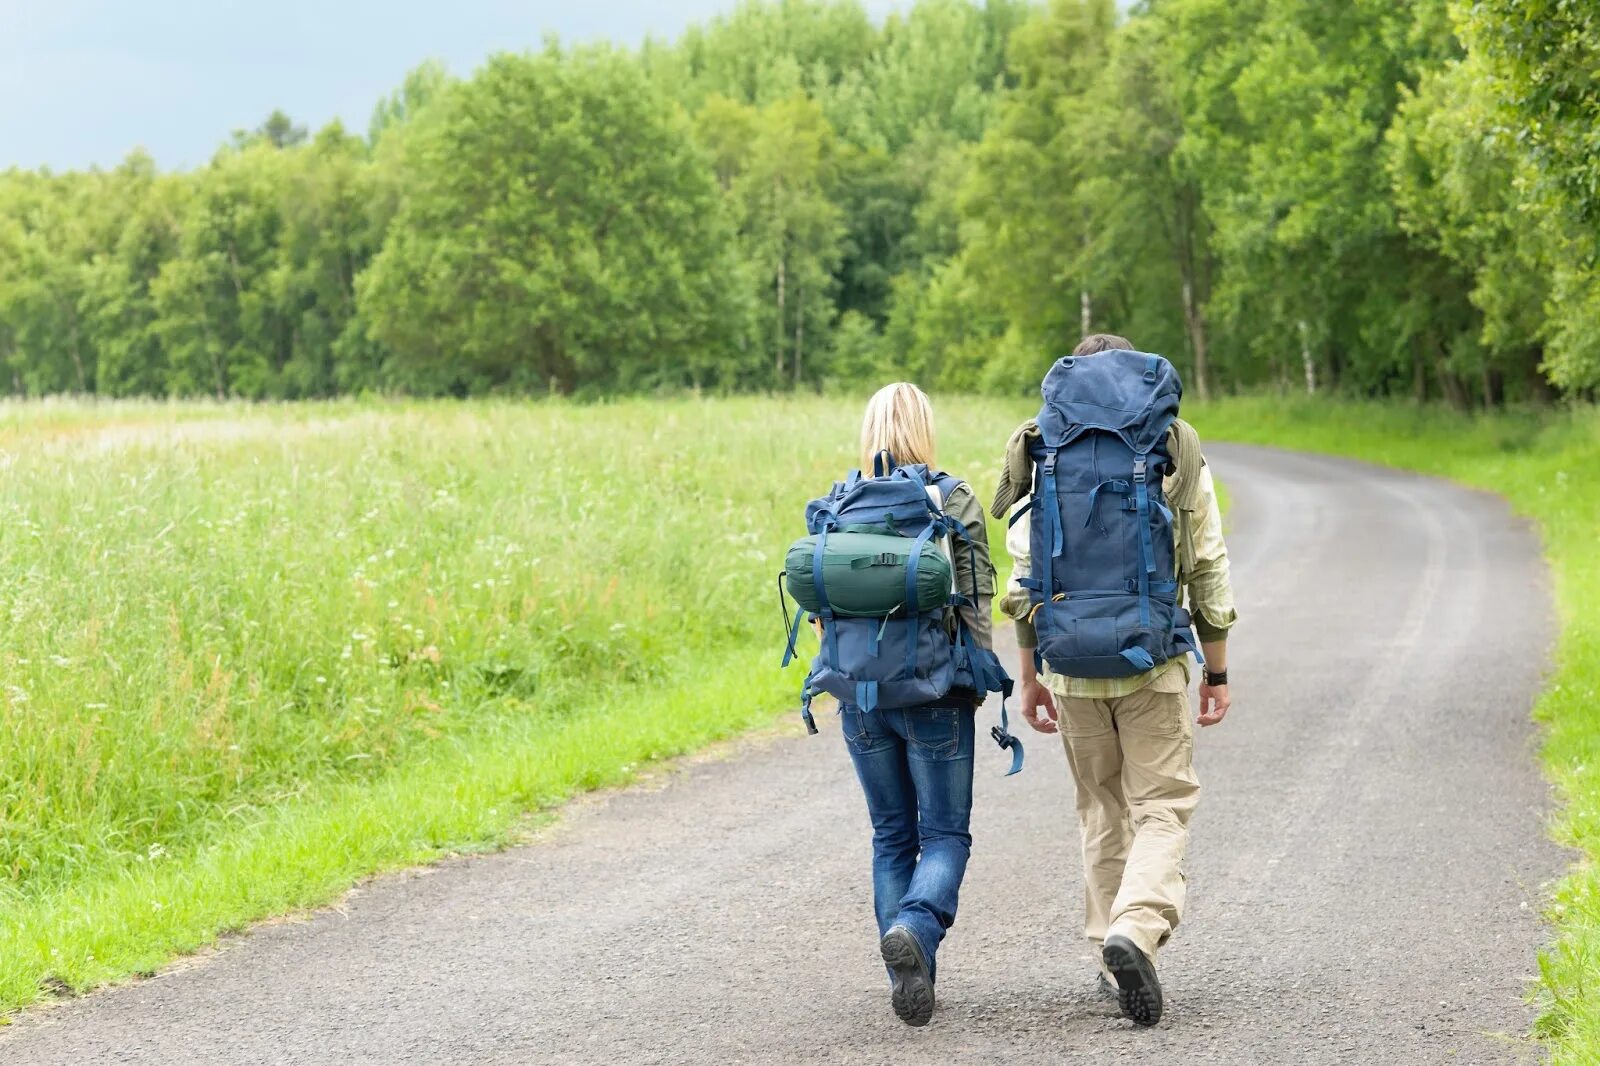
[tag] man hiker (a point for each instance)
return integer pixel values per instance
(1120, 519)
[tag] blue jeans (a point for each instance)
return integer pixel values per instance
(915, 766)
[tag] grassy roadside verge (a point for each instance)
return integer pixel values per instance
(1549, 469)
(469, 796)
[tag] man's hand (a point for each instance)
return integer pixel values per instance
(1037, 706)
(1214, 703)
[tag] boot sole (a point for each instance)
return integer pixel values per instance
(1138, 990)
(911, 990)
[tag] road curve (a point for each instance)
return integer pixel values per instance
(1365, 871)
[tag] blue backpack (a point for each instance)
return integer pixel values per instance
(907, 656)
(1104, 580)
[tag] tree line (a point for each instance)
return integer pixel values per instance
(1369, 197)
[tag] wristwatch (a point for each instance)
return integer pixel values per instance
(1218, 678)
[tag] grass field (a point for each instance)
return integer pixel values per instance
(254, 654)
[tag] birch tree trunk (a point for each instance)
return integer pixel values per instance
(778, 330)
(799, 334)
(1305, 357)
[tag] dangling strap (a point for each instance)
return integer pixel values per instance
(1005, 738)
(1002, 734)
(882, 464)
(877, 635)
(789, 651)
(867, 696)
(805, 707)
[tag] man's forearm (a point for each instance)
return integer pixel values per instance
(1216, 653)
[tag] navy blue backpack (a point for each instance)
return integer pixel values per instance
(1104, 580)
(906, 657)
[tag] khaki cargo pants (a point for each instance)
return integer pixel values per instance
(1132, 760)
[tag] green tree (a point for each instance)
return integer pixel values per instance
(1456, 184)
(1028, 232)
(423, 84)
(560, 230)
(218, 316)
(118, 306)
(791, 233)
(1538, 60)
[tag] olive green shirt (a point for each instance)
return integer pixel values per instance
(964, 507)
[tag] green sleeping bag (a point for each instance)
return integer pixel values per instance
(865, 574)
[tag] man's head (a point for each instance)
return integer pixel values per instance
(1095, 343)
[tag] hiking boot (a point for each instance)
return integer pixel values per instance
(910, 985)
(1138, 990)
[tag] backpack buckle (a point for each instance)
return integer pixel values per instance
(1139, 468)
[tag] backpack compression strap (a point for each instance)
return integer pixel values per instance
(913, 558)
(1138, 657)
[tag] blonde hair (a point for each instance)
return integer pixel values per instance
(899, 420)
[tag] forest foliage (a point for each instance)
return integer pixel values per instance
(1364, 197)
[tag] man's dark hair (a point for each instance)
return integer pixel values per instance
(1102, 342)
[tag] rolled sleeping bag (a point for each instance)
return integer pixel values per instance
(864, 574)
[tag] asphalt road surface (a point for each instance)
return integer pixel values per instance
(1365, 872)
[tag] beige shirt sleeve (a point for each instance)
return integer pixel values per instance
(1210, 588)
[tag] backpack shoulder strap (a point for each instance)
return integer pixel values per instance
(940, 486)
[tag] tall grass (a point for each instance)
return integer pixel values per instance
(252, 655)
(1548, 467)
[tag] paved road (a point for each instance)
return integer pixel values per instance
(1365, 870)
